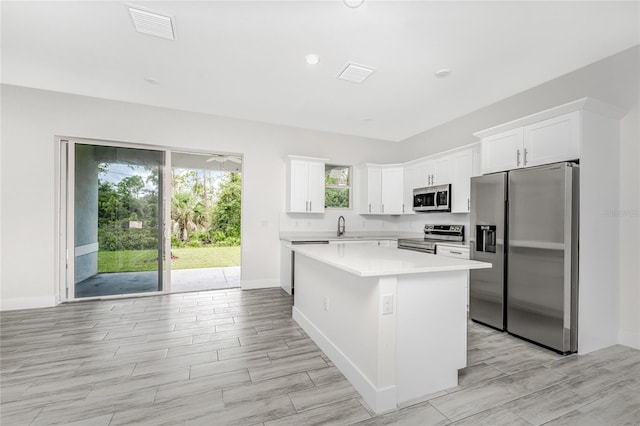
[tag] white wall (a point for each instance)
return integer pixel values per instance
(629, 222)
(32, 118)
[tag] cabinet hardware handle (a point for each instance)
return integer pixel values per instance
(310, 208)
(403, 208)
(383, 208)
(518, 159)
(525, 156)
(455, 252)
(468, 203)
(306, 206)
(369, 207)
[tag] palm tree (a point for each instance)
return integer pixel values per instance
(182, 212)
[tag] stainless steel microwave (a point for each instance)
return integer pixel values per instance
(432, 199)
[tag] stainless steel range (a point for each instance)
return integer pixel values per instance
(433, 234)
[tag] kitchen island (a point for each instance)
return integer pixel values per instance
(393, 321)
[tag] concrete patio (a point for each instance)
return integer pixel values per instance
(182, 280)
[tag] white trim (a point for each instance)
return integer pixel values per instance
(256, 284)
(16, 303)
(167, 189)
(86, 249)
(70, 283)
(629, 338)
(589, 104)
(379, 399)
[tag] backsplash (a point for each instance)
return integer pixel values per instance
(328, 221)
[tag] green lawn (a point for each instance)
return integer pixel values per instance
(182, 258)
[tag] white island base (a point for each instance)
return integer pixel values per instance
(390, 358)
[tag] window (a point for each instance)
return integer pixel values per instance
(337, 186)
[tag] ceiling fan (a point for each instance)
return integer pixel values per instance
(221, 158)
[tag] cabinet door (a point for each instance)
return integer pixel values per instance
(425, 171)
(409, 182)
(299, 181)
(391, 194)
(502, 152)
(461, 184)
(442, 169)
(553, 140)
(316, 187)
(374, 188)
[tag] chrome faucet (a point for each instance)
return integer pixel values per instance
(341, 226)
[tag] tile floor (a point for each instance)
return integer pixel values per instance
(236, 357)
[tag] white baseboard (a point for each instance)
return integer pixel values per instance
(380, 400)
(16, 303)
(255, 284)
(629, 338)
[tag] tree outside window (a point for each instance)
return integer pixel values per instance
(337, 181)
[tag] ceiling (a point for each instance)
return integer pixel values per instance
(246, 59)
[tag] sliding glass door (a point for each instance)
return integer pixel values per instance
(115, 220)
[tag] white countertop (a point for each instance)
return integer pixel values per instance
(369, 260)
(349, 235)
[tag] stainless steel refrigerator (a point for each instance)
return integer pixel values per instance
(525, 222)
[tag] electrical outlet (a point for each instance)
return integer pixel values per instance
(387, 304)
(325, 303)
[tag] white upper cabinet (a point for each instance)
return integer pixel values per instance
(553, 140)
(455, 167)
(391, 193)
(305, 184)
(502, 151)
(410, 181)
(465, 165)
(442, 171)
(381, 189)
(371, 181)
(544, 142)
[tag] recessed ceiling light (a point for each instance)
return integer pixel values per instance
(353, 3)
(152, 80)
(442, 73)
(312, 59)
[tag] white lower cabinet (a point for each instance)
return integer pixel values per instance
(460, 252)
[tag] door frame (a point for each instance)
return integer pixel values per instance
(66, 199)
(65, 252)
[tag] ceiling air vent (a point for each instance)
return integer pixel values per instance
(153, 24)
(355, 73)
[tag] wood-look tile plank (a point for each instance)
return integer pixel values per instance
(266, 388)
(418, 414)
(469, 401)
(499, 416)
(341, 413)
(547, 404)
(323, 395)
(247, 413)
